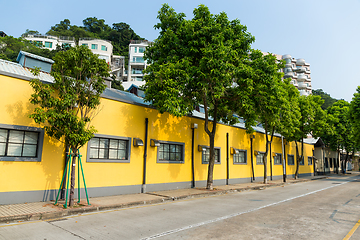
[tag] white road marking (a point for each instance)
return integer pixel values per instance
(235, 214)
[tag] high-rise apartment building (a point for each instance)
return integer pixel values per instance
(299, 72)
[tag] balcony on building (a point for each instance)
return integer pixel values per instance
(294, 82)
(300, 62)
(301, 77)
(303, 92)
(302, 85)
(300, 69)
(289, 74)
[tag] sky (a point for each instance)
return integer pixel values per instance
(325, 33)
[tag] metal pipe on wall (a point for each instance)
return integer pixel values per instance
(284, 159)
(227, 158)
(192, 159)
(252, 157)
(143, 189)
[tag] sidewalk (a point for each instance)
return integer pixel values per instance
(47, 210)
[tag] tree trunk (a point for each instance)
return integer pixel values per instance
(210, 178)
(72, 184)
(265, 154)
(265, 163)
(211, 134)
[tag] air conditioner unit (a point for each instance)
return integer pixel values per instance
(154, 143)
(233, 151)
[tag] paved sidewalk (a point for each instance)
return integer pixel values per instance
(47, 210)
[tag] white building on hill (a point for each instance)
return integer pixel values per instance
(101, 47)
(136, 64)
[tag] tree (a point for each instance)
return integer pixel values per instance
(198, 62)
(269, 97)
(328, 100)
(28, 32)
(119, 34)
(342, 135)
(355, 116)
(67, 106)
(312, 120)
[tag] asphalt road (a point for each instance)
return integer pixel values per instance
(321, 209)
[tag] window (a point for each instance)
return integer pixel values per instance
(240, 157)
(138, 60)
(302, 161)
(48, 44)
(206, 155)
(278, 158)
(103, 48)
(326, 163)
(135, 49)
(85, 44)
(137, 71)
(141, 49)
(290, 159)
(171, 152)
(94, 46)
(20, 143)
(103, 148)
(66, 45)
(38, 43)
(260, 158)
(309, 160)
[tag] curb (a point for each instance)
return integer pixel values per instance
(87, 209)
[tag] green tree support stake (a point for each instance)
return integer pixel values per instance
(62, 181)
(67, 188)
(82, 171)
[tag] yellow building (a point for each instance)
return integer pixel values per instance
(136, 149)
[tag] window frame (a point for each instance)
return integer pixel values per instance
(326, 163)
(259, 163)
(203, 157)
(39, 148)
(330, 162)
(95, 46)
(108, 160)
(311, 160)
(49, 43)
(281, 158)
(245, 156)
(290, 155)
(103, 48)
(173, 143)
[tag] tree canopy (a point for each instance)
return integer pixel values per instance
(119, 34)
(354, 114)
(271, 97)
(198, 62)
(10, 48)
(328, 100)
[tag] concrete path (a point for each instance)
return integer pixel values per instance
(47, 210)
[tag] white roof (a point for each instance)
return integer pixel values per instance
(12, 69)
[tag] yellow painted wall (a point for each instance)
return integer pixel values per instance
(26, 176)
(127, 120)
